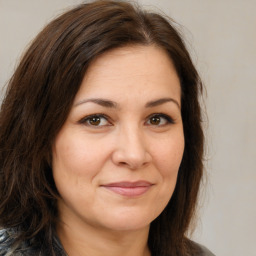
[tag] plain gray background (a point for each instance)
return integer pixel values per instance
(221, 36)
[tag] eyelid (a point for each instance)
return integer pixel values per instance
(84, 120)
(168, 118)
(100, 115)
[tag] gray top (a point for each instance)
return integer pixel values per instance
(204, 251)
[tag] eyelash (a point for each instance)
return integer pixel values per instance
(169, 120)
(86, 120)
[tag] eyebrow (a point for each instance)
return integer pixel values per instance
(111, 104)
(101, 102)
(161, 101)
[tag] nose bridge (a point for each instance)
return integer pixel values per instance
(131, 148)
(132, 137)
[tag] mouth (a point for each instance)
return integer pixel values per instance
(129, 189)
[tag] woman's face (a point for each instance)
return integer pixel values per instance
(116, 158)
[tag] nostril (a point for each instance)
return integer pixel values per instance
(131, 156)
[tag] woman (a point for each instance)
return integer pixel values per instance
(100, 138)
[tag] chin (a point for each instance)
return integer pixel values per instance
(128, 226)
(127, 221)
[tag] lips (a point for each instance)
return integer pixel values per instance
(129, 189)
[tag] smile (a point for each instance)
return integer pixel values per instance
(129, 189)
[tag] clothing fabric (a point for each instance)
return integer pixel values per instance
(31, 248)
(204, 251)
(8, 246)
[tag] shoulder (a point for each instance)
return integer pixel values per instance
(201, 250)
(10, 246)
(6, 241)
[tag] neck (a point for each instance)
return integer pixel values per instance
(90, 241)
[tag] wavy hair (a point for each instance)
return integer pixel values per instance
(40, 95)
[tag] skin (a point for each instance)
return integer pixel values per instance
(131, 142)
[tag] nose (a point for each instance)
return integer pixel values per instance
(131, 149)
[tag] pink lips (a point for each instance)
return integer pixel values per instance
(129, 189)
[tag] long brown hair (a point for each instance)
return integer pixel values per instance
(40, 95)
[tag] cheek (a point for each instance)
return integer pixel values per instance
(76, 161)
(168, 158)
(76, 155)
(169, 155)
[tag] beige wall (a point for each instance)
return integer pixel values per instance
(222, 36)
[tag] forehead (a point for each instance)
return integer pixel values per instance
(134, 70)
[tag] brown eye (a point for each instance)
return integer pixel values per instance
(155, 120)
(159, 120)
(94, 121)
